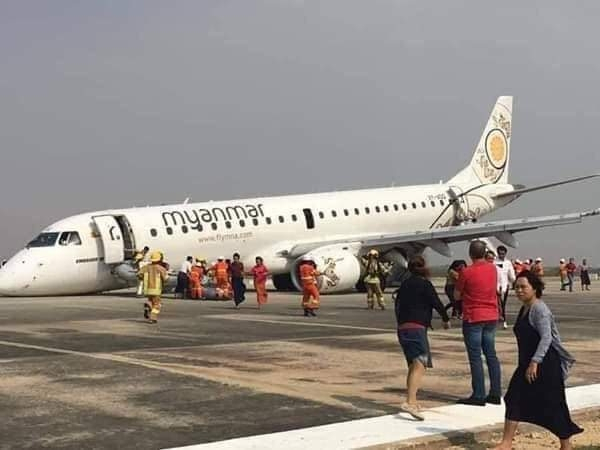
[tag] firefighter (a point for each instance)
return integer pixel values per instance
(153, 276)
(221, 272)
(374, 272)
(139, 261)
(195, 279)
(310, 292)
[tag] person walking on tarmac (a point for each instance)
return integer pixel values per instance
(310, 293)
(236, 269)
(374, 273)
(153, 277)
(260, 274)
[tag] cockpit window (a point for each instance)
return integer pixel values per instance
(44, 240)
(69, 238)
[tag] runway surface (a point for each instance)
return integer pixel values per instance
(88, 372)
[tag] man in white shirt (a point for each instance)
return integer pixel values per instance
(182, 277)
(506, 278)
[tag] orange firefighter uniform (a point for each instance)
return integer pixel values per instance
(221, 272)
(310, 293)
(195, 281)
(153, 277)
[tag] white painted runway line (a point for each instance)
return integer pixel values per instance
(392, 428)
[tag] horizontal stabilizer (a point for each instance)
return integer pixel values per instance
(524, 190)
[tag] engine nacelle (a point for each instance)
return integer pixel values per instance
(126, 272)
(340, 269)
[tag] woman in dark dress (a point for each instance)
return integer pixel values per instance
(536, 393)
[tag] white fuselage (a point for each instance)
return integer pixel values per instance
(264, 227)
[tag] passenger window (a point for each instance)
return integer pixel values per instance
(432, 204)
(414, 205)
(184, 228)
(214, 226)
(356, 211)
(441, 202)
(346, 212)
(404, 206)
(333, 214)
(242, 223)
(367, 210)
(385, 208)
(395, 207)
(377, 209)
(153, 232)
(423, 204)
(227, 224)
(268, 220)
(281, 219)
(169, 230)
(255, 222)
(294, 217)
(321, 215)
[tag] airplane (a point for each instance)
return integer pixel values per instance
(90, 253)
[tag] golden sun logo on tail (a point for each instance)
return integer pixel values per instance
(495, 148)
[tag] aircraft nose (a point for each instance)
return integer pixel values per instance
(7, 285)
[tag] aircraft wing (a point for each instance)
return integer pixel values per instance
(523, 190)
(439, 238)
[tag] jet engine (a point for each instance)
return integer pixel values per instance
(340, 269)
(126, 272)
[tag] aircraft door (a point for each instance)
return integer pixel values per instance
(310, 221)
(112, 239)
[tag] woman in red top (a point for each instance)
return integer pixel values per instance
(260, 274)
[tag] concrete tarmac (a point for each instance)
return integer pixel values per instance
(88, 372)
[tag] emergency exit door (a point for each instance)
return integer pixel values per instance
(308, 216)
(112, 239)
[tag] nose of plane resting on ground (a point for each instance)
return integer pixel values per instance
(7, 286)
(17, 275)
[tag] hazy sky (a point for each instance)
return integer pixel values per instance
(123, 103)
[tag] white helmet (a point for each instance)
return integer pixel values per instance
(307, 258)
(538, 259)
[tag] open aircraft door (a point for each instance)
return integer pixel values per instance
(112, 239)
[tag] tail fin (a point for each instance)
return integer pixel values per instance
(490, 161)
